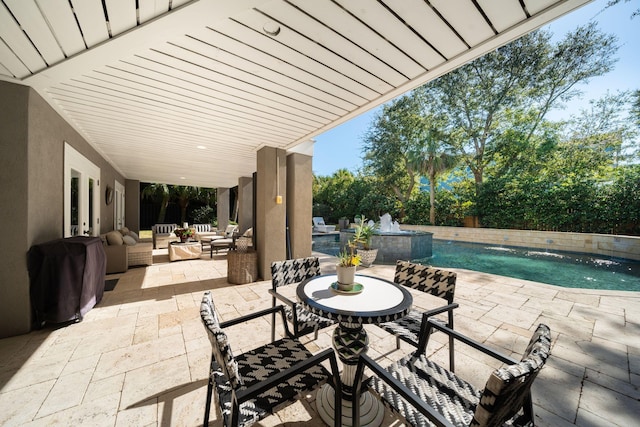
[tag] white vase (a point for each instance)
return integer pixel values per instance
(346, 277)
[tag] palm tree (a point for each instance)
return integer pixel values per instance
(432, 159)
(183, 195)
(158, 192)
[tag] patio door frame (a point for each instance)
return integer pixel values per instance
(75, 164)
(119, 207)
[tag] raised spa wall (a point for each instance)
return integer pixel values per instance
(626, 247)
(394, 246)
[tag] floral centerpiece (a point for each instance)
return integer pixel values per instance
(184, 234)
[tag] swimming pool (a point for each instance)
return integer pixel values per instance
(569, 270)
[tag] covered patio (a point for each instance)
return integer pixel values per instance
(141, 356)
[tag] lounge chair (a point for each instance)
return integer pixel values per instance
(320, 227)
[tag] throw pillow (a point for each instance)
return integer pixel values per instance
(248, 233)
(128, 240)
(134, 235)
(124, 231)
(114, 238)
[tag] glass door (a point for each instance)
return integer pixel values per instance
(118, 217)
(81, 195)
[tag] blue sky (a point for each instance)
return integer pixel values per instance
(341, 147)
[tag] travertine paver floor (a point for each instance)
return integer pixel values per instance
(140, 357)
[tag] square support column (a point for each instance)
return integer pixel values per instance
(222, 210)
(245, 203)
(270, 233)
(299, 203)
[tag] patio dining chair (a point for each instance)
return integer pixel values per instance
(440, 283)
(425, 394)
(289, 272)
(259, 382)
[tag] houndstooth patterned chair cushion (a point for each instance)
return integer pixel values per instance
(440, 283)
(229, 373)
(294, 271)
(456, 399)
(261, 363)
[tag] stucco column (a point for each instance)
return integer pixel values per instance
(222, 211)
(132, 204)
(270, 215)
(299, 203)
(245, 203)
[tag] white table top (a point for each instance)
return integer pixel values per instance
(379, 301)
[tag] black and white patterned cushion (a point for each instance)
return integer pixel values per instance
(457, 400)
(504, 393)
(230, 373)
(441, 283)
(294, 271)
(219, 341)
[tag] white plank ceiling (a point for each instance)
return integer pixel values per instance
(185, 92)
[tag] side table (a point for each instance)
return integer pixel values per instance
(242, 267)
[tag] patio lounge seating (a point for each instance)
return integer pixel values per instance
(320, 227)
(204, 232)
(440, 283)
(162, 234)
(252, 385)
(227, 241)
(424, 393)
(289, 272)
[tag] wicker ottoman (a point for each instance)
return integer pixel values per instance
(242, 267)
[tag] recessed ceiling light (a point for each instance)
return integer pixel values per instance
(201, 147)
(271, 28)
(182, 177)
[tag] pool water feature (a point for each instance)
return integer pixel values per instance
(564, 269)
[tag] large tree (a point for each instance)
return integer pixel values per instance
(403, 144)
(529, 77)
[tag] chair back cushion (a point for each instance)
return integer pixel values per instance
(164, 228)
(507, 388)
(293, 271)
(318, 220)
(219, 342)
(228, 232)
(441, 283)
(202, 228)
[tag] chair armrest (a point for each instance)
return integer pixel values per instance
(282, 298)
(258, 314)
(439, 310)
(470, 342)
(428, 411)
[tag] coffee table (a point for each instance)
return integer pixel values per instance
(187, 250)
(377, 301)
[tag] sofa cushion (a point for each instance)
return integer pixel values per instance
(124, 231)
(128, 240)
(114, 238)
(134, 235)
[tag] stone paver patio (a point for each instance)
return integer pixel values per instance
(140, 357)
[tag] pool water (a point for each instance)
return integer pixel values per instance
(569, 270)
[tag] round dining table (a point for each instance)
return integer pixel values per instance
(373, 300)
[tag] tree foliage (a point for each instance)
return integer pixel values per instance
(525, 78)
